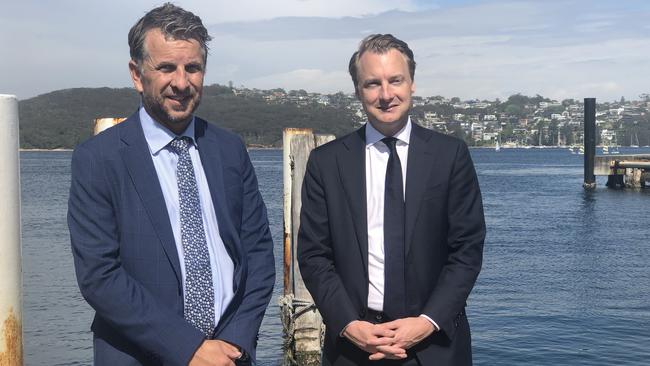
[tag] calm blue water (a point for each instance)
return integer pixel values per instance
(565, 280)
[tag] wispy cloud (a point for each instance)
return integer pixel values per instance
(226, 11)
(483, 50)
(329, 82)
(472, 49)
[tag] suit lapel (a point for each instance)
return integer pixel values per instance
(211, 159)
(352, 170)
(419, 165)
(137, 159)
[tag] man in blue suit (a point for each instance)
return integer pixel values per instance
(169, 231)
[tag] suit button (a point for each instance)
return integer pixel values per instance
(378, 317)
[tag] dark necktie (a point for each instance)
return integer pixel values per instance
(199, 293)
(394, 283)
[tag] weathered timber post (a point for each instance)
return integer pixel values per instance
(303, 325)
(11, 344)
(103, 123)
(645, 177)
(590, 143)
(633, 178)
(287, 173)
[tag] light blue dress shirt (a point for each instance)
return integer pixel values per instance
(165, 160)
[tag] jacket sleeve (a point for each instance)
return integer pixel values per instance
(465, 237)
(315, 254)
(257, 245)
(116, 297)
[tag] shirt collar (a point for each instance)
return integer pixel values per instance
(373, 136)
(157, 135)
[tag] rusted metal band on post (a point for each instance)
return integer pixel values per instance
(12, 348)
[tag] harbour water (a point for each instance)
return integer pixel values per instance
(565, 279)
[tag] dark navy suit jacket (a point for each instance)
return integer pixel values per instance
(445, 230)
(125, 255)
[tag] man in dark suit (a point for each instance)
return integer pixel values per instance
(169, 232)
(391, 227)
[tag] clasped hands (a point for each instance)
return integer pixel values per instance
(388, 340)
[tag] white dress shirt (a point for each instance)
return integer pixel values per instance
(377, 154)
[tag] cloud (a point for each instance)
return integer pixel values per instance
(328, 82)
(468, 51)
(226, 11)
(471, 49)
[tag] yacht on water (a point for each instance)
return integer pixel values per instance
(634, 140)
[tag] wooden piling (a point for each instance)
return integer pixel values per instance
(633, 178)
(589, 143)
(103, 123)
(11, 345)
(303, 325)
(287, 163)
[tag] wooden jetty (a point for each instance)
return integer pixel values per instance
(303, 326)
(622, 171)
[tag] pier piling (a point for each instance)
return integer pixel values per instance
(303, 325)
(103, 123)
(590, 143)
(11, 345)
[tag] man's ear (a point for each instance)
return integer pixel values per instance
(136, 76)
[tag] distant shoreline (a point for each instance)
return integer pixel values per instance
(63, 150)
(255, 147)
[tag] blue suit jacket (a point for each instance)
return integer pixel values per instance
(125, 255)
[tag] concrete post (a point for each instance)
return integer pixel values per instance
(11, 346)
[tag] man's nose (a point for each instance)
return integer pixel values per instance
(386, 93)
(180, 80)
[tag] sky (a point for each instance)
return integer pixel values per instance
(472, 49)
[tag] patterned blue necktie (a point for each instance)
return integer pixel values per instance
(199, 294)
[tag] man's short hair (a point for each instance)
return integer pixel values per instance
(174, 22)
(380, 44)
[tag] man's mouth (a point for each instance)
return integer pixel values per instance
(388, 108)
(181, 99)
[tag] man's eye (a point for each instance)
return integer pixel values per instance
(193, 68)
(166, 68)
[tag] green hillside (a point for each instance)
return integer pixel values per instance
(63, 118)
